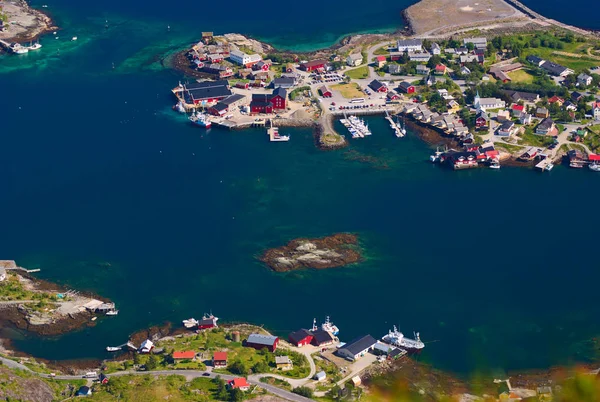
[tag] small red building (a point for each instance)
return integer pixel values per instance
(267, 103)
(239, 383)
(325, 92)
(242, 85)
(406, 87)
(186, 355)
(392, 96)
(103, 379)
(313, 65)
(259, 342)
(220, 359)
(378, 86)
(208, 321)
(219, 109)
(482, 120)
(300, 338)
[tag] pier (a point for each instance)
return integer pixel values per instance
(545, 165)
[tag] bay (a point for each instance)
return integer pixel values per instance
(107, 190)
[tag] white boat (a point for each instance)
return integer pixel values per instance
(330, 327)
(94, 318)
(495, 164)
(200, 119)
(190, 323)
(276, 137)
(397, 338)
(178, 107)
(549, 166)
(436, 156)
(17, 48)
(594, 167)
(402, 128)
(112, 348)
(74, 38)
(34, 46)
(112, 312)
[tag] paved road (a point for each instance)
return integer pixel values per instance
(189, 374)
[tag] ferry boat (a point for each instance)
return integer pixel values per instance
(200, 119)
(594, 167)
(330, 327)
(190, 323)
(112, 348)
(397, 338)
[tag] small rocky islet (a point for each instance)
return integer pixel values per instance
(326, 252)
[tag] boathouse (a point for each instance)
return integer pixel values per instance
(378, 86)
(220, 359)
(258, 342)
(321, 338)
(219, 109)
(314, 65)
(267, 103)
(357, 348)
(301, 337)
(208, 322)
(325, 92)
(206, 92)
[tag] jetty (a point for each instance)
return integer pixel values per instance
(394, 125)
(545, 165)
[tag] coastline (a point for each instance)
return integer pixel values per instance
(28, 23)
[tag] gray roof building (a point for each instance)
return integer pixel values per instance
(357, 347)
(258, 339)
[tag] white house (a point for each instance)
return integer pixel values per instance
(596, 110)
(409, 45)
(525, 118)
(241, 58)
(422, 69)
(506, 129)
(584, 79)
(146, 346)
(435, 48)
(354, 59)
(419, 57)
(488, 103)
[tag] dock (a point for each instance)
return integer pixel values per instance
(394, 125)
(545, 165)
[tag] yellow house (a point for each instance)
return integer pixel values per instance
(283, 363)
(453, 107)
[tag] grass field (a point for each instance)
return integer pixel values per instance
(529, 138)
(521, 76)
(358, 73)
(349, 91)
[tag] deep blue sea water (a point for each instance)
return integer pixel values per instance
(107, 190)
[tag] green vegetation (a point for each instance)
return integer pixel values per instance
(521, 76)
(358, 73)
(298, 91)
(508, 147)
(304, 391)
(13, 289)
(382, 51)
(276, 382)
(349, 91)
(529, 138)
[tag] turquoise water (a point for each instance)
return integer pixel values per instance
(107, 190)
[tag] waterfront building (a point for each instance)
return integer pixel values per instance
(219, 359)
(321, 338)
(357, 347)
(219, 70)
(409, 45)
(283, 363)
(314, 65)
(208, 321)
(243, 59)
(239, 383)
(406, 87)
(258, 342)
(354, 59)
(382, 348)
(146, 346)
(301, 337)
(267, 103)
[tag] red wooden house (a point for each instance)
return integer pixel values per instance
(392, 96)
(482, 120)
(208, 321)
(300, 338)
(220, 359)
(267, 103)
(406, 87)
(377, 86)
(313, 65)
(259, 342)
(325, 92)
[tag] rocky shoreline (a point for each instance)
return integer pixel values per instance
(321, 253)
(27, 23)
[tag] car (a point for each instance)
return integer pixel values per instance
(206, 374)
(332, 103)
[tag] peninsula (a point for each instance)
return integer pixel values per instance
(20, 22)
(326, 252)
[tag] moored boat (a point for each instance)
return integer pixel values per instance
(190, 323)
(178, 107)
(594, 167)
(200, 119)
(112, 312)
(113, 348)
(397, 338)
(330, 327)
(495, 164)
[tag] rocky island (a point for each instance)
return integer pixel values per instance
(19, 22)
(326, 252)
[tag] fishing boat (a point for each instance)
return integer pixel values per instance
(113, 348)
(594, 167)
(34, 46)
(200, 119)
(17, 48)
(436, 156)
(74, 38)
(330, 327)
(178, 107)
(190, 323)
(495, 164)
(397, 338)
(112, 312)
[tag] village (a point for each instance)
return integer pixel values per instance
(498, 99)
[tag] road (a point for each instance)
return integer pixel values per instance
(307, 351)
(188, 374)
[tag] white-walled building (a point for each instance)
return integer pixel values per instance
(241, 58)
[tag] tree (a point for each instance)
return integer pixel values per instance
(152, 362)
(434, 61)
(136, 358)
(237, 367)
(304, 391)
(236, 395)
(260, 367)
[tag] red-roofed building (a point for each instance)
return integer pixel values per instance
(594, 158)
(441, 69)
(313, 65)
(239, 383)
(556, 99)
(186, 355)
(220, 359)
(380, 61)
(517, 107)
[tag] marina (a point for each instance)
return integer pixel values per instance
(356, 126)
(274, 135)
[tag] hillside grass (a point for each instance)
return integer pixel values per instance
(358, 73)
